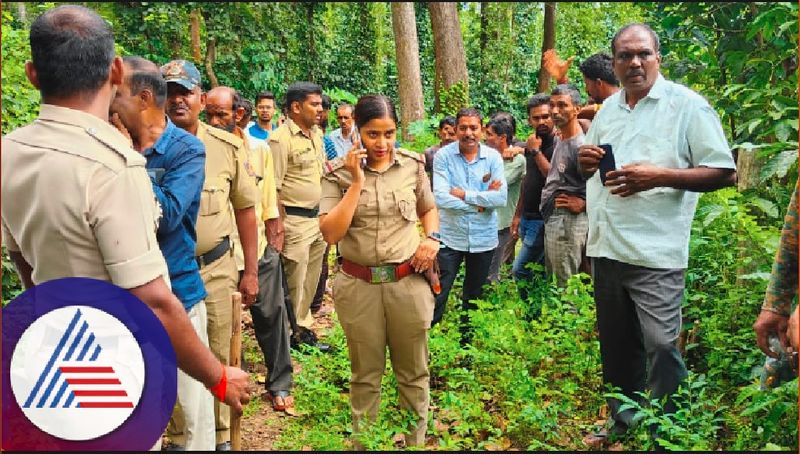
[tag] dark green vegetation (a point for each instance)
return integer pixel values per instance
(529, 385)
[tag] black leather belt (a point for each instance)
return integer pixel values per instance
(215, 253)
(304, 212)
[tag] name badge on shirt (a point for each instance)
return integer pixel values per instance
(156, 174)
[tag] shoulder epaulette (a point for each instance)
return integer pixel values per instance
(225, 136)
(333, 165)
(412, 154)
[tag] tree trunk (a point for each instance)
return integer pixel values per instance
(548, 42)
(194, 31)
(22, 13)
(311, 45)
(448, 46)
(409, 79)
(211, 56)
(484, 37)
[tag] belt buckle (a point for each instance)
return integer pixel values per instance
(382, 274)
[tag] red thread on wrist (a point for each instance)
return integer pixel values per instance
(220, 388)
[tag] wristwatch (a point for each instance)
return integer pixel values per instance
(435, 236)
(534, 151)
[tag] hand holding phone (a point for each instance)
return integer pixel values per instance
(357, 144)
(607, 162)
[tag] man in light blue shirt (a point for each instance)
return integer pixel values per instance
(668, 145)
(343, 136)
(469, 184)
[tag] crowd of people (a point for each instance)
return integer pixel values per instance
(184, 211)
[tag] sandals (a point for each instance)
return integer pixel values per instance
(281, 401)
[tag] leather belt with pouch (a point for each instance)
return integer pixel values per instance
(215, 253)
(392, 273)
(378, 274)
(304, 212)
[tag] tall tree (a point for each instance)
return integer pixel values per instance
(450, 65)
(548, 42)
(194, 32)
(408, 73)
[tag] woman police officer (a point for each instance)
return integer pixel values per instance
(371, 201)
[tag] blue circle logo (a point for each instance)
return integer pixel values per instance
(86, 366)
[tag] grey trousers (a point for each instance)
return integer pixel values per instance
(502, 253)
(639, 320)
(271, 323)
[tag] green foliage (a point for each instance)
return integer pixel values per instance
(454, 97)
(20, 99)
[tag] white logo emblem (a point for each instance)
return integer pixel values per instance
(77, 373)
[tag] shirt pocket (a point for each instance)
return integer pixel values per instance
(406, 203)
(213, 197)
(303, 159)
(367, 206)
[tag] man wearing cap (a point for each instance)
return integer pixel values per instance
(227, 184)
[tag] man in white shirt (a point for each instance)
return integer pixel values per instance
(668, 145)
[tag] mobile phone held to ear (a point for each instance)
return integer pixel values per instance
(361, 146)
(607, 162)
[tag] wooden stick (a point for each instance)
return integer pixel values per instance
(235, 360)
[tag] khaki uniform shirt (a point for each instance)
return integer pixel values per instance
(260, 163)
(298, 164)
(77, 201)
(227, 186)
(384, 226)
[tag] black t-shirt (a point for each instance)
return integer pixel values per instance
(534, 180)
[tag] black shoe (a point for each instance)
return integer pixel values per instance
(224, 446)
(303, 336)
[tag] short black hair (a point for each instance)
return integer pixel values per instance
(507, 117)
(539, 99)
(248, 108)
(447, 120)
(568, 89)
(299, 91)
(238, 100)
(599, 66)
(327, 102)
(373, 106)
(502, 127)
(265, 95)
(469, 112)
(645, 27)
(146, 75)
(72, 48)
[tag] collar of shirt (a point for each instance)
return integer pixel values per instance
(395, 162)
(456, 150)
(657, 91)
(66, 115)
(163, 141)
(295, 129)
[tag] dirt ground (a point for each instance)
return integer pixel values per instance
(262, 428)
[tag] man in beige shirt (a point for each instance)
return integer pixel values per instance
(83, 204)
(298, 155)
(227, 184)
(224, 108)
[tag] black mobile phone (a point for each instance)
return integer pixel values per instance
(606, 162)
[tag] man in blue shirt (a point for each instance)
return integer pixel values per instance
(258, 132)
(468, 184)
(175, 163)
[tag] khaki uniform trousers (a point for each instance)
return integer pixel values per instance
(302, 263)
(192, 422)
(220, 278)
(397, 315)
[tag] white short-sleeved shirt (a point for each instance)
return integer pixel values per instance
(671, 127)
